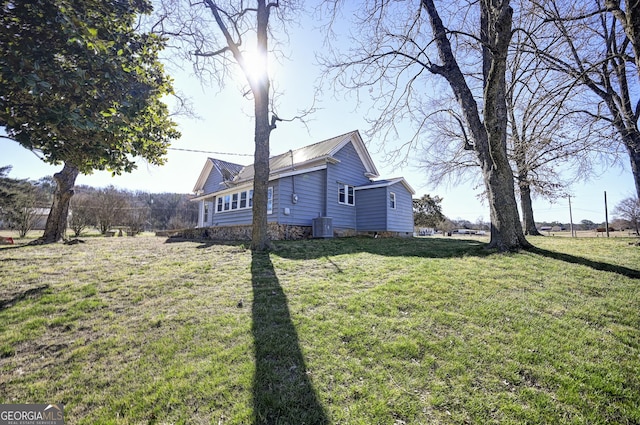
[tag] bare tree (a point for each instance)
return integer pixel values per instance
(82, 213)
(599, 44)
(137, 212)
(550, 145)
(109, 205)
(25, 211)
(19, 202)
(629, 210)
(217, 36)
(398, 48)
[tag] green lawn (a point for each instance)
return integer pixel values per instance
(344, 331)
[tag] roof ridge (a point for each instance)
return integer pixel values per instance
(313, 144)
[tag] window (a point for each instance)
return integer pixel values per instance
(270, 200)
(392, 201)
(346, 194)
(239, 201)
(234, 201)
(206, 213)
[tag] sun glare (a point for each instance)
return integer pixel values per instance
(255, 65)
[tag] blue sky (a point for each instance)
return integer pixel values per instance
(225, 126)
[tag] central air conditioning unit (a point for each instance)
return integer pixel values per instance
(322, 227)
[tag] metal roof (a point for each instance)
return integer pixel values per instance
(309, 156)
(296, 159)
(386, 182)
(228, 170)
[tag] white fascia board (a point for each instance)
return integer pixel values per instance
(201, 198)
(388, 183)
(204, 174)
(297, 172)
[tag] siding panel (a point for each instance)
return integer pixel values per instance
(310, 190)
(213, 181)
(401, 218)
(371, 211)
(351, 171)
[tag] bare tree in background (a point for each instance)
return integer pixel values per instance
(82, 213)
(218, 37)
(550, 145)
(109, 206)
(397, 48)
(629, 209)
(599, 42)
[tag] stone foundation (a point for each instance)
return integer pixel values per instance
(387, 234)
(276, 232)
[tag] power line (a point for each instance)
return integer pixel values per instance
(211, 152)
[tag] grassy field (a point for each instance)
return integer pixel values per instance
(345, 331)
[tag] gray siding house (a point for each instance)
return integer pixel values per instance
(333, 180)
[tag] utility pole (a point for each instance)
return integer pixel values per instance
(570, 218)
(606, 213)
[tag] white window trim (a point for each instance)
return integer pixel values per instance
(393, 200)
(225, 202)
(346, 187)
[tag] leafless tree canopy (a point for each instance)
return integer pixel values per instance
(399, 47)
(595, 44)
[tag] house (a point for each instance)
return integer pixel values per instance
(329, 187)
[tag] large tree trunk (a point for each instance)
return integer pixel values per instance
(260, 89)
(528, 223)
(259, 85)
(490, 136)
(56, 226)
(632, 142)
(506, 230)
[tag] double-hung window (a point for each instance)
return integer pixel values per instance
(392, 200)
(219, 204)
(346, 194)
(234, 201)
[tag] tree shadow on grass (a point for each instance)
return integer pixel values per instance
(282, 390)
(596, 265)
(388, 247)
(427, 248)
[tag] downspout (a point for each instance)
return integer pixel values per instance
(294, 195)
(325, 189)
